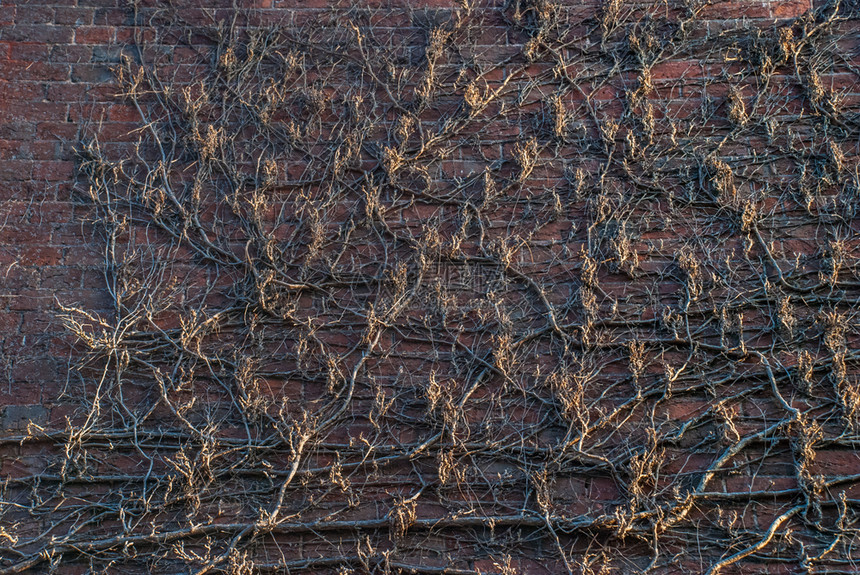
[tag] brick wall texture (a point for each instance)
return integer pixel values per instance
(521, 287)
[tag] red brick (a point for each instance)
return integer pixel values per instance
(41, 33)
(27, 52)
(74, 15)
(35, 255)
(107, 16)
(34, 15)
(30, 70)
(94, 34)
(54, 171)
(789, 8)
(837, 462)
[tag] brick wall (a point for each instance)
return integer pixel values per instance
(600, 318)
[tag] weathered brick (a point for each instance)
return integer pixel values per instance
(20, 416)
(73, 15)
(42, 33)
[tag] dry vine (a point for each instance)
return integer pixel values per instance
(392, 295)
